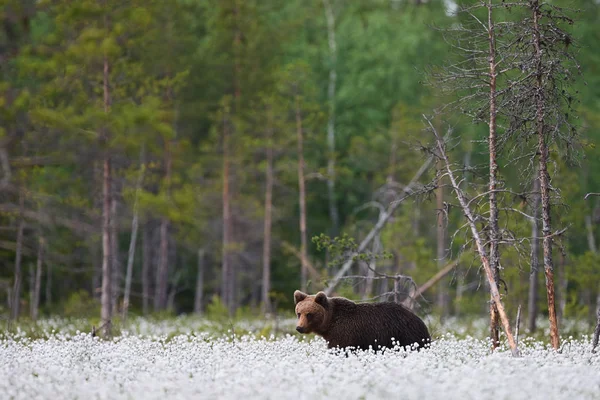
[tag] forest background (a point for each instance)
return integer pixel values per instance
(190, 149)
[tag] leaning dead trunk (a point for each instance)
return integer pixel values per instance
(543, 157)
(478, 242)
(301, 197)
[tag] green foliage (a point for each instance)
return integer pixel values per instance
(181, 71)
(344, 248)
(79, 304)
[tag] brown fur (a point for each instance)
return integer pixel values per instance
(344, 323)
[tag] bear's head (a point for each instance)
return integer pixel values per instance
(312, 311)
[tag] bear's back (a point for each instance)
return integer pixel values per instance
(374, 324)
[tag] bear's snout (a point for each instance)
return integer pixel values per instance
(300, 329)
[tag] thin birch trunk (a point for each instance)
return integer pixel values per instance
(35, 299)
(333, 210)
(302, 196)
(535, 249)
(16, 299)
(543, 154)
(479, 243)
(198, 309)
(494, 231)
(106, 298)
(266, 272)
(132, 242)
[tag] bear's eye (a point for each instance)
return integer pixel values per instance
(298, 315)
(309, 315)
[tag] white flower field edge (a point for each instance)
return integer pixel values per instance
(200, 366)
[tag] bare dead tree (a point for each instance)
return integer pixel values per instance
(476, 235)
(526, 80)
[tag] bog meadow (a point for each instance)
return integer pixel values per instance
(172, 171)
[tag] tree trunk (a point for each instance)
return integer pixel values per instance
(35, 300)
(333, 210)
(48, 289)
(535, 248)
(146, 279)
(162, 275)
(543, 152)
(227, 269)
(301, 197)
(596, 331)
(266, 272)
(114, 244)
(442, 298)
(494, 231)
(16, 301)
(106, 298)
(198, 308)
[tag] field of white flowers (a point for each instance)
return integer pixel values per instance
(155, 362)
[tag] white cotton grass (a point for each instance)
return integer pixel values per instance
(202, 365)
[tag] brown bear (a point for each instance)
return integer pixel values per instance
(344, 323)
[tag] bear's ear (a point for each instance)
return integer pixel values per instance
(321, 298)
(299, 296)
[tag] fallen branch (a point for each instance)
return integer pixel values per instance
(436, 278)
